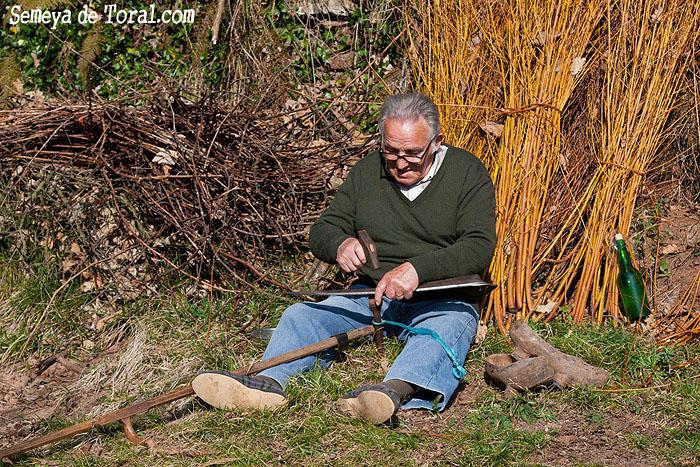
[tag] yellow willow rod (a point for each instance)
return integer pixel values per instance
(530, 200)
(530, 219)
(586, 279)
(602, 221)
(603, 235)
(577, 212)
(632, 186)
(541, 218)
(543, 172)
(592, 245)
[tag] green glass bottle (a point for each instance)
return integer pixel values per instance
(630, 285)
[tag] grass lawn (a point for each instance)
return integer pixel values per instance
(649, 413)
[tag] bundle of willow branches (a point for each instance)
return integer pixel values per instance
(209, 191)
(610, 69)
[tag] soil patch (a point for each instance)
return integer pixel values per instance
(678, 255)
(619, 438)
(33, 392)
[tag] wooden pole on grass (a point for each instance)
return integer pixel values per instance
(124, 415)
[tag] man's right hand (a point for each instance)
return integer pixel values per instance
(350, 255)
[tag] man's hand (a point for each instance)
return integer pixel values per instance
(350, 255)
(397, 284)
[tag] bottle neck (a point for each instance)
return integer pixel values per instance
(623, 256)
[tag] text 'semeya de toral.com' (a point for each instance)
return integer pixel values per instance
(111, 14)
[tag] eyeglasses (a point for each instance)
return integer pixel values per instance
(410, 156)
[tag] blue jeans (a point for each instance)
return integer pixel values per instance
(422, 362)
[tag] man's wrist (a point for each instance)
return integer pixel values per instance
(337, 241)
(420, 267)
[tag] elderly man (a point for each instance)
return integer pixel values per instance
(429, 207)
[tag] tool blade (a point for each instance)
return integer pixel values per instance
(262, 333)
(445, 284)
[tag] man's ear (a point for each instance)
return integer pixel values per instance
(438, 139)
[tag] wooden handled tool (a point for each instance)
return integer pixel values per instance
(124, 415)
(372, 259)
(473, 282)
(369, 248)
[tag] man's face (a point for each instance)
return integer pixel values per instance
(408, 138)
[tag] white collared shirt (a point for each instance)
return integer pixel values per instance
(412, 192)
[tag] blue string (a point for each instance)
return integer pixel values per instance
(458, 371)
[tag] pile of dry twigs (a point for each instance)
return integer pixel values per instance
(215, 194)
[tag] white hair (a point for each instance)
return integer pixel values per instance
(411, 106)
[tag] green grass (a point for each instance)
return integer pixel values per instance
(638, 441)
(24, 293)
(651, 404)
(683, 444)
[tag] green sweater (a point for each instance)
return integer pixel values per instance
(449, 230)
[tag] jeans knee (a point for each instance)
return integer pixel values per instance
(468, 317)
(295, 314)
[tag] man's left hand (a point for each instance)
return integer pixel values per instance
(397, 284)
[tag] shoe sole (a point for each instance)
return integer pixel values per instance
(224, 392)
(372, 406)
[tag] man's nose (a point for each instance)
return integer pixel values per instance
(401, 164)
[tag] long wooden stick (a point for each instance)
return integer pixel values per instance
(179, 393)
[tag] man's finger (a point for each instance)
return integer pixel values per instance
(378, 292)
(345, 266)
(352, 257)
(360, 252)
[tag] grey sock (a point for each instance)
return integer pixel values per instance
(403, 389)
